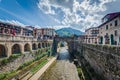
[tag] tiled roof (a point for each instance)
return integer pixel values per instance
(112, 16)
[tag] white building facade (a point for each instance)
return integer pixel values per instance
(109, 30)
(91, 35)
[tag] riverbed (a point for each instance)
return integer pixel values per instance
(64, 69)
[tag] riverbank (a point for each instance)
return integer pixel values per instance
(41, 72)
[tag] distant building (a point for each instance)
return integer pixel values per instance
(91, 35)
(14, 30)
(45, 33)
(81, 38)
(109, 30)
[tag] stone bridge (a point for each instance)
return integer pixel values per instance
(70, 41)
(20, 44)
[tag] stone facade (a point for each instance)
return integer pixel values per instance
(16, 39)
(45, 33)
(109, 31)
(104, 60)
(20, 44)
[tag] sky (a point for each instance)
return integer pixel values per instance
(77, 14)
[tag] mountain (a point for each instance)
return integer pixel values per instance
(68, 32)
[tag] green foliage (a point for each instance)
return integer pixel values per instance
(61, 45)
(7, 60)
(31, 52)
(13, 56)
(29, 62)
(6, 75)
(2, 76)
(4, 61)
(14, 72)
(40, 56)
(36, 68)
(80, 73)
(25, 64)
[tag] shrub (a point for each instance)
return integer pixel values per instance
(13, 56)
(25, 64)
(4, 61)
(2, 76)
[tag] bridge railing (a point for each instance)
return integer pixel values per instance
(8, 37)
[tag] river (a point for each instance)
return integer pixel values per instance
(64, 69)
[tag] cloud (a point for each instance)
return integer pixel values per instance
(14, 22)
(80, 14)
(58, 26)
(45, 7)
(37, 26)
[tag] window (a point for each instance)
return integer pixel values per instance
(116, 22)
(110, 24)
(119, 40)
(106, 27)
(116, 33)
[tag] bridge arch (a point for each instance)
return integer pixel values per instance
(34, 46)
(27, 47)
(3, 51)
(68, 40)
(16, 49)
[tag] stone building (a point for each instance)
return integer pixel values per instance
(14, 30)
(91, 35)
(16, 39)
(45, 33)
(109, 30)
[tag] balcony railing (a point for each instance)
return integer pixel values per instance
(9, 37)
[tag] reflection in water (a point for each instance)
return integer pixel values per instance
(63, 69)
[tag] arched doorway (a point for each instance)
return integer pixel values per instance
(43, 46)
(16, 49)
(27, 47)
(46, 44)
(112, 39)
(101, 40)
(34, 46)
(2, 51)
(39, 45)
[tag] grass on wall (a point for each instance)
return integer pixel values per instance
(7, 60)
(7, 75)
(36, 68)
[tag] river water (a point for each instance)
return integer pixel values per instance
(64, 69)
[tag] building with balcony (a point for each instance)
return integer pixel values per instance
(45, 33)
(91, 35)
(109, 30)
(14, 30)
(16, 39)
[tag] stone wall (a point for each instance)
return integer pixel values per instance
(104, 60)
(14, 64)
